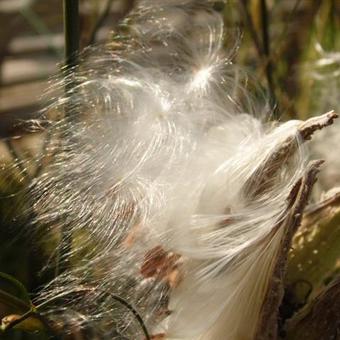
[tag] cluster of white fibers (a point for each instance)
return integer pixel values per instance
(157, 183)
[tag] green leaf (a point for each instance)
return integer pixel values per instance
(12, 286)
(13, 294)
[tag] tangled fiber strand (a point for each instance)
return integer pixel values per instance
(163, 182)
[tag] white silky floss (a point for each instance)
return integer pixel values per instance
(164, 141)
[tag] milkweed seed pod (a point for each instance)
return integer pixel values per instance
(166, 185)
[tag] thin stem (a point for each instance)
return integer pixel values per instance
(114, 297)
(262, 45)
(267, 52)
(100, 22)
(265, 28)
(279, 41)
(72, 35)
(10, 300)
(36, 315)
(71, 32)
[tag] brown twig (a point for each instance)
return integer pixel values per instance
(284, 151)
(267, 326)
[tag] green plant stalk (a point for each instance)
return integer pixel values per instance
(21, 290)
(13, 302)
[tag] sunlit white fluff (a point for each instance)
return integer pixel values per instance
(163, 150)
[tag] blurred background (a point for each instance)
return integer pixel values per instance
(32, 45)
(291, 46)
(282, 43)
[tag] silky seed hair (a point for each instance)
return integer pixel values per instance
(154, 188)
